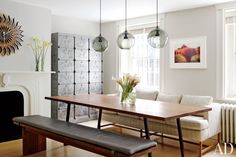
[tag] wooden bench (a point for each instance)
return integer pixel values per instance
(36, 128)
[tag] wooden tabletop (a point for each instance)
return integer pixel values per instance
(143, 108)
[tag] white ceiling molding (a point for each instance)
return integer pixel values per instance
(228, 5)
(113, 10)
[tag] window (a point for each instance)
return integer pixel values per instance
(142, 59)
(230, 53)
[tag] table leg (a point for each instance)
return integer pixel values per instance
(180, 137)
(99, 119)
(68, 112)
(147, 132)
(74, 111)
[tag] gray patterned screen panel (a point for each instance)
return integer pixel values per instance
(78, 71)
(66, 53)
(66, 41)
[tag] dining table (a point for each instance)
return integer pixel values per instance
(147, 109)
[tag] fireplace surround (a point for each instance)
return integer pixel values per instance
(34, 86)
(29, 89)
(12, 105)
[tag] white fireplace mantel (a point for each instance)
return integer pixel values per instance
(33, 85)
(26, 72)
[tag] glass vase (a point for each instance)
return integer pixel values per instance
(37, 65)
(128, 97)
(42, 63)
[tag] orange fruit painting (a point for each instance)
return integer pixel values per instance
(187, 54)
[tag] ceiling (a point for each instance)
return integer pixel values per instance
(113, 10)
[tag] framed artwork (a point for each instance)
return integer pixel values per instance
(188, 53)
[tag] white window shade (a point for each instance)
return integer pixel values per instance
(142, 59)
(230, 56)
(230, 20)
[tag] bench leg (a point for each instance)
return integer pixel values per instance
(32, 143)
(147, 132)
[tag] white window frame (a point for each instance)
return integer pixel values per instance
(230, 89)
(220, 61)
(139, 22)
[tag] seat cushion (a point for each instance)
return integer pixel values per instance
(193, 128)
(191, 123)
(169, 98)
(125, 144)
(197, 100)
(145, 93)
(188, 122)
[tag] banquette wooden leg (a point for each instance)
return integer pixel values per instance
(141, 133)
(200, 149)
(219, 137)
(32, 142)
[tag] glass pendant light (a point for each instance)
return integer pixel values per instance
(157, 38)
(100, 44)
(125, 40)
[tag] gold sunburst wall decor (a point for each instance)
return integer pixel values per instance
(10, 35)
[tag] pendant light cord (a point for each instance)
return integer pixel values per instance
(157, 12)
(126, 15)
(100, 17)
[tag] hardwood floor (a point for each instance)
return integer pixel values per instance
(169, 148)
(56, 149)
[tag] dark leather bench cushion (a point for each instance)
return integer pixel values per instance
(119, 143)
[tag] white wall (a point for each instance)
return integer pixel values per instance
(190, 23)
(39, 22)
(181, 24)
(110, 57)
(35, 22)
(74, 26)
